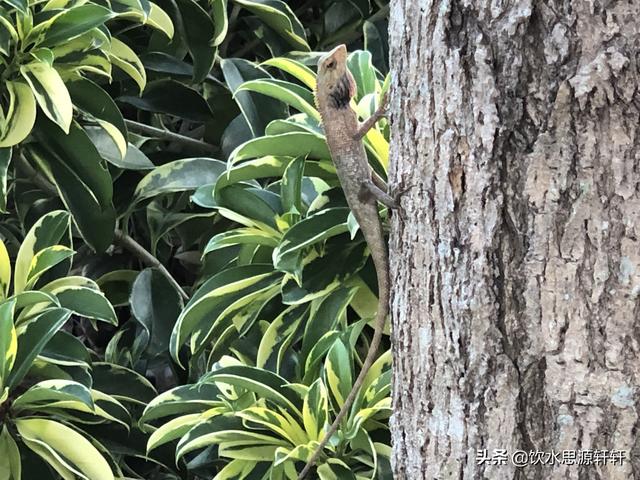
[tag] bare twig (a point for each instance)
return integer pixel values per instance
(139, 251)
(119, 237)
(170, 136)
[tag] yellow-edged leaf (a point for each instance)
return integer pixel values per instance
(8, 340)
(73, 452)
(50, 92)
(10, 465)
(5, 271)
(123, 57)
(159, 20)
(20, 116)
(295, 69)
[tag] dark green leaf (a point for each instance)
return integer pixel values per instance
(180, 176)
(173, 98)
(5, 158)
(74, 22)
(33, 338)
(199, 33)
(82, 178)
(156, 304)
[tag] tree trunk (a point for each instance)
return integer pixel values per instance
(516, 261)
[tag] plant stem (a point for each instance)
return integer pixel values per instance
(168, 135)
(35, 176)
(139, 251)
(119, 236)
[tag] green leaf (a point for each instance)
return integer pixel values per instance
(279, 16)
(29, 299)
(236, 470)
(49, 392)
(21, 5)
(256, 109)
(310, 231)
(323, 274)
(223, 296)
(19, 118)
(293, 95)
(49, 230)
(269, 166)
(116, 286)
(325, 317)
(68, 452)
(315, 410)
(226, 431)
(126, 59)
(263, 383)
(279, 336)
(276, 422)
(376, 42)
(257, 204)
(11, 465)
(74, 22)
(295, 144)
(173, 98)
(159, 20)
(338, 371)
(91, 98)
(5, 271)
(46, 259)
(291, 186)
(65, 350)
(240, 236)
(8, 341)
(50, 92)
(5, 158)
(173, 430)
(82, 178)
(156, 305)
(295, 69)
(179, 176)
(8, 33)
(182, 400)
(220, 20)
(199, 37)
(122, 383)
(87, 303)
(32, 337)
(335, 471)
(359, 63)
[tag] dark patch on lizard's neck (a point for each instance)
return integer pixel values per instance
(340, 94)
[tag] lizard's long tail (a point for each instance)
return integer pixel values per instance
(375, 240)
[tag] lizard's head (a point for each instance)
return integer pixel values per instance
(335, 82)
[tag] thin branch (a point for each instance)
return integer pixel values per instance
(139, 251)
(171, 136)
(36, 177)
(119, 236)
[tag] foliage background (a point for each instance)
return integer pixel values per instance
(184, 293)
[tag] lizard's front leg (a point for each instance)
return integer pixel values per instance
(373, 119)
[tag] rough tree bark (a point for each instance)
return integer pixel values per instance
(516, 265)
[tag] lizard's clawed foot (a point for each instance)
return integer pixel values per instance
(396, 195)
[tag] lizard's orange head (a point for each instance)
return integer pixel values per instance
(334, 79)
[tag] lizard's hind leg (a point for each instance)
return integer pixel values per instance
(371, 190)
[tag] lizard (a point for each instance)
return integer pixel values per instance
(362, 188)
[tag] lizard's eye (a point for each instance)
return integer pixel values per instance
(331, 65)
